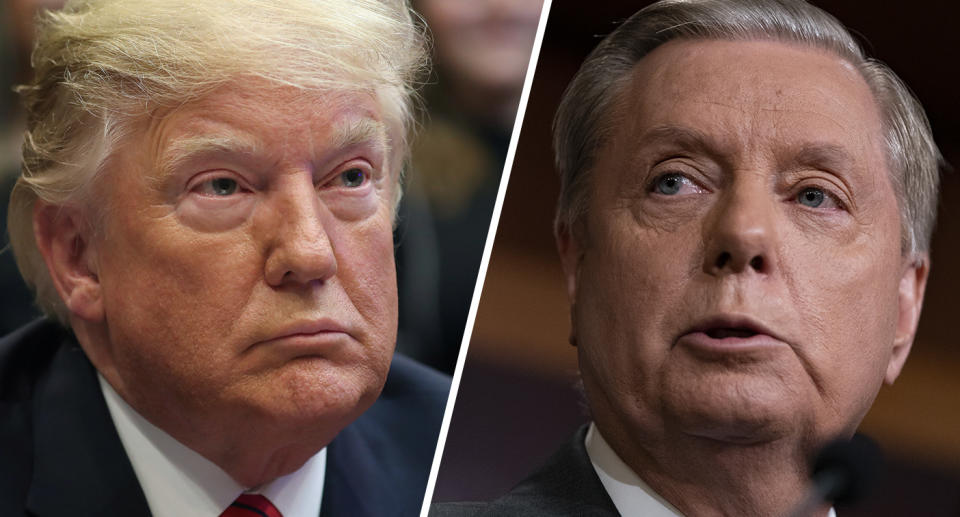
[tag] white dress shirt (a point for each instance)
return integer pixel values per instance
(179, 482)
(629, 493)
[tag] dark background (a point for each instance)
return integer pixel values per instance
(517, 400)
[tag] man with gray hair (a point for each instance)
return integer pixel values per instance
(205, 211)
(744, 222)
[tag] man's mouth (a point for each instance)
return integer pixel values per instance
(723, 333)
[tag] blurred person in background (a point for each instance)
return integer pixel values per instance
(16, 40)
(482, 50)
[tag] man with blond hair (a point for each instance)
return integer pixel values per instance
(205, 212)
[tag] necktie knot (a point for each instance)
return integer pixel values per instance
(251, 505)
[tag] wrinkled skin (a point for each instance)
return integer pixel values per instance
(242, 295)
(744, 184)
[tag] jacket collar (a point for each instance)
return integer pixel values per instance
(356, 483)
(80, 466)
(566, 485)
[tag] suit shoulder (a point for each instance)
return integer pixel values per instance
(25, 354)
(496, 509)
(566, 485)
(410, 408)
(457, 509)
(389, 449)
(413, 392)
(27, 357)
(409, 376)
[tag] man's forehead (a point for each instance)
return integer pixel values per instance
(808, 151)
(320, 127)
(261, 106)
(202, 137)
(754, 61)
(751, 89)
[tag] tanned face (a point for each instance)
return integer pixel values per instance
(246, 267)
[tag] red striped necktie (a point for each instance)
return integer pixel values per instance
(251, 505)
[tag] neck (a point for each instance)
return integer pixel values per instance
(708, 477)
(252, 448)
(253, 470)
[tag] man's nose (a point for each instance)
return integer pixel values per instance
(302, 250)
(741, 231)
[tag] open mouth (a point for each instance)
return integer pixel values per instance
(722, 333)
(721, 336)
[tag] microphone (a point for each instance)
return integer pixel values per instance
(843, 472)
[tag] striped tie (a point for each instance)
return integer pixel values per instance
(251, 505)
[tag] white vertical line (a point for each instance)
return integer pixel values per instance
(491, 234)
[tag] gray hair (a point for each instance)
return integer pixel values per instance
(103, 65)
(584, 119)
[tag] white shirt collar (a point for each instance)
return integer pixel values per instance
(629, 493)
(179, 482)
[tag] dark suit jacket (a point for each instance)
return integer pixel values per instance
(60, 454)
(566, 485)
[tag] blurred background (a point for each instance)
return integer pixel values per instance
(517, 399)
(481, 54)
(16, 42)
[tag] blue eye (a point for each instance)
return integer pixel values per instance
(669, 184)
(223, 186)
(812, 197)
(353, 178)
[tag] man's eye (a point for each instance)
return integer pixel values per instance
(353, 178)
(670, 184)
(815, 197)
(812, 197)
(219, 187)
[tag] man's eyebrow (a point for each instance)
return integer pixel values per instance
(187, 149)
(184, 150)
(821, 154)
(817, 154)
(359, 131)
(682, 136)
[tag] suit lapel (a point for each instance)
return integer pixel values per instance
(567, 485)
(80, 466)
(378, 466)
(354, 484)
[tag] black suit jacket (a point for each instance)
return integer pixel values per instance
(60, 454)
(566, 485)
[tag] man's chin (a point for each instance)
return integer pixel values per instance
(735, 411)
(306, 393)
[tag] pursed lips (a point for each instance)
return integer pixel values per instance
(311, 332)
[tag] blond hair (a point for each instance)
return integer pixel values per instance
(102, 65)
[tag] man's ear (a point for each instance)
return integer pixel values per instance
(570, 249)
(913, 283)
(65, 244)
